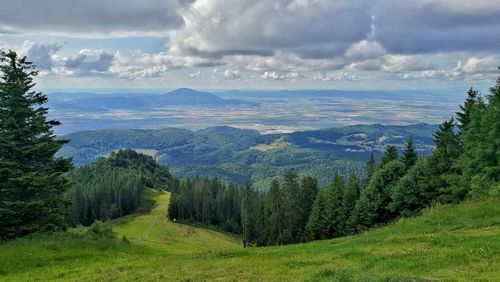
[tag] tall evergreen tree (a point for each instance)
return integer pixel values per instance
(441, 163)
(371, 166)
(247, 216)
(274, 214)
(334, 206)
(317, 224)
(292, 207)
(31, 178)
(413, 191)
(349, 199)
(390, 154)
(309, 190)
(373, 207)
(464, 115)
(410, 157)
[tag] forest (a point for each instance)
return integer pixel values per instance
(464, 164)
(41, 192)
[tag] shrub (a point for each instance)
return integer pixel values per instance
(100, 230)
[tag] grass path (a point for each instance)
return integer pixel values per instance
(152, 228)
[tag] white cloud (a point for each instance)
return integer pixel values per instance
(336, 76)
(227, 74)
(365, 50)
(289, 76)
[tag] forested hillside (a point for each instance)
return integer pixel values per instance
(113, 186)
(464, 164)
(238, 155)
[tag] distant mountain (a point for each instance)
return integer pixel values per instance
(104, 102)
(240, 155)
(190, 97)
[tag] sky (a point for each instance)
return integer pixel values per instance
(259, 44)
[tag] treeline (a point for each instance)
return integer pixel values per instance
(465, 163)
(113, 186)
(208, 201)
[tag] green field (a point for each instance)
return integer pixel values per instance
(459, 242)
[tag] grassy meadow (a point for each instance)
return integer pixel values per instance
(459, 242)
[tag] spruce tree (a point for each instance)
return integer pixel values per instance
(292, 206)
(334, 196)
(247, 216)
(317, 224)
(309, 190)
(410, 157)
(371, 166)
(273, 216)
(464, 115)
(373, 206)
(31, 178)
(442, 164)
(349, 199)
(413, 192)
(390, 154)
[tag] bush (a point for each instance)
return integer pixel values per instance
(100, 230)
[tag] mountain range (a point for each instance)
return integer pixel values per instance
(137, 101)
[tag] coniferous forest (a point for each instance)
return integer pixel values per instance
(464, 164)
(43, 193)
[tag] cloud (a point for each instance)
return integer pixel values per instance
(337, 76)
(90, 17)
(89, 62)
(365, 50)
(272, 40)
(226, 74)
(311, 29)
(290, 76)
(474, 65)
(394, 64)
(42, 55)
(432, 26)
(196, 74)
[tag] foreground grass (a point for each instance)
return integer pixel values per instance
(447, 243)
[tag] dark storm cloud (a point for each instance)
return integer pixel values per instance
(319, 29)
(89, 17)
(410, 27)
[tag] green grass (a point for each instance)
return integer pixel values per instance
(276, 144)
(459, 242)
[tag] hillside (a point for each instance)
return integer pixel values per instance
(446, 243)
(238, 155)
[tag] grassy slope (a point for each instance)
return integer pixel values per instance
(446, 243)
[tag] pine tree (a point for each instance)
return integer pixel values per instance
(274, 216)
(371, 166)
(317, 224)
(31, 178)
(349, 199)
(464, 115)
(247, 216)
(413, 192)
(410, 157)
(373, 206)
(390, 154)
(334, 206)
(442, 164)
(292, 207)
(309, 190)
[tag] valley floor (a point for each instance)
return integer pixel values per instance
(459, 242)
